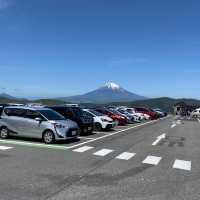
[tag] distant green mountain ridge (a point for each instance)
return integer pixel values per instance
(164, 103)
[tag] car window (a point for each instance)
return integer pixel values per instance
(17, 112)
(87, 114)
(69, 113)
(96, 113)
(51, 115)
(77, 111)
(31, 114)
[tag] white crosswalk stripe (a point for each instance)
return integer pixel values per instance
(152, 160)
(4, 148)
(83, 149)
(103, 152)
(125, 156)
(182, 164)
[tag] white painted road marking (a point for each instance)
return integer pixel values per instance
(159, 138)
(173, 125)
(85, 138)
(125, 156)
(83, 149)
(182, 164)
(3, 148)
(103, 152)
(111, 134)
(152, 160)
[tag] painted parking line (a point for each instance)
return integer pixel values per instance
(83, 149)
(112, 134)
(100, 132)
(182, 164)
(152, 160)
(31, 144)
(85, 138)
(103, 152)
(125, 156)
(4, 148)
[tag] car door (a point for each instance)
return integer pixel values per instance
(33, 128)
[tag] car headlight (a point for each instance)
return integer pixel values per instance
(59, 126)
(104, 120)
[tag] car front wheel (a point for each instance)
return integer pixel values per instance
(49, 137)
(98, 127)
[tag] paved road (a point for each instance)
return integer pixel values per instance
(120, 166)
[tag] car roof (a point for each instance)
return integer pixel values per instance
(28, 108)
(61, 106)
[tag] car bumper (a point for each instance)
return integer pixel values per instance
(68, 134)
(108, 125)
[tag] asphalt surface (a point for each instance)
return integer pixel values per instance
(123, 165)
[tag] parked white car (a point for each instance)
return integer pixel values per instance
(141, 115)
(101, 122)
(132, 117)
(195, 113)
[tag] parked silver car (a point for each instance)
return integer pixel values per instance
(36, 122)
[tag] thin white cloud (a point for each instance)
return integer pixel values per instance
(6, 3)
(127, 61)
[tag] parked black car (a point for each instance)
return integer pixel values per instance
(75, 113)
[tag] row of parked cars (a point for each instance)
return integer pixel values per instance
(61, 122)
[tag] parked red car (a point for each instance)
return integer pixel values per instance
(118, 118)
(153, 115)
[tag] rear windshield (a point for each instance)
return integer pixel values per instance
(51, 115)
(77, 111)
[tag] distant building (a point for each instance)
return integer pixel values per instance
(181, 108)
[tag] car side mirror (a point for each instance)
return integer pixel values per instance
(38, 119)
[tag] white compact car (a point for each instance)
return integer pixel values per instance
(195, 113)
(101, 122)
(141, 115)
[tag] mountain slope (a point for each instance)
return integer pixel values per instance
(7, 96)
(110, 92)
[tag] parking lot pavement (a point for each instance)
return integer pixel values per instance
(121, 166)
(169, 170)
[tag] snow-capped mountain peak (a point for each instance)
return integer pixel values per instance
(110, 92)
(112, 85)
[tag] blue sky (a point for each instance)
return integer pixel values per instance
(67, 47)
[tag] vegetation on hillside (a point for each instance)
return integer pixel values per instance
(164, 103)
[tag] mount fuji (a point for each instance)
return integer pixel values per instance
(110, 92)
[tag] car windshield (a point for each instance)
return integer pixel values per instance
(96, 113)
(51, 115)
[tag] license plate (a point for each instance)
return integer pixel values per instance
(73, 132)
